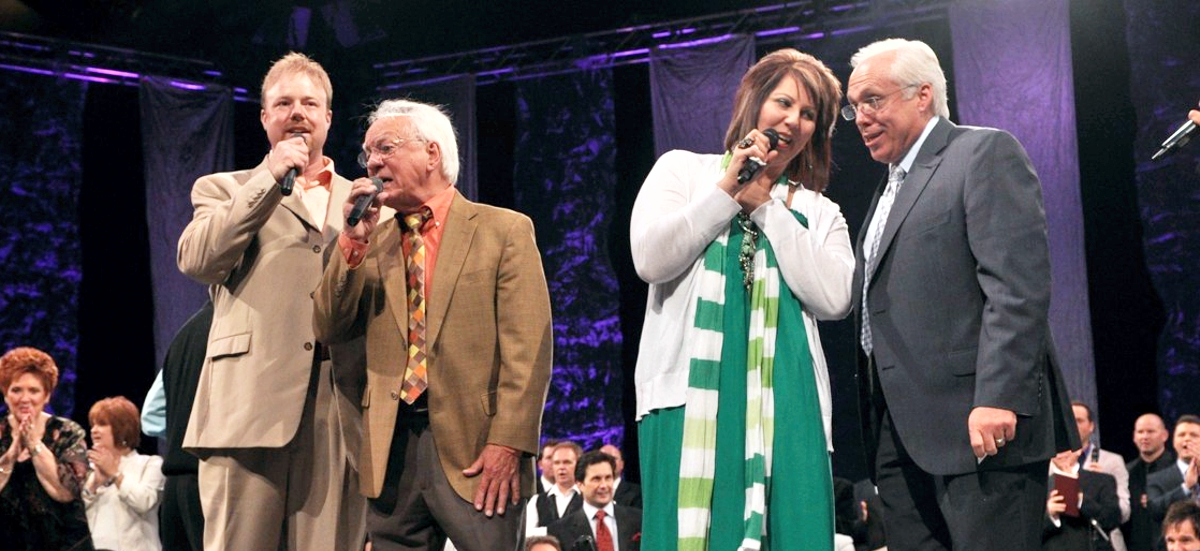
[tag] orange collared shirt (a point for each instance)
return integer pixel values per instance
(432, 232)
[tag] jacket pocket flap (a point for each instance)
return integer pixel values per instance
(232, 345)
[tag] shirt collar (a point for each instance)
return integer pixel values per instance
(590, 510)
(439, 205)
(911, 157)
(323, 178)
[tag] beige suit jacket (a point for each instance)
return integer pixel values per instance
(488, 333)
(262, 255)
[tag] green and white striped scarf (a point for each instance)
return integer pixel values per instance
(696, 468)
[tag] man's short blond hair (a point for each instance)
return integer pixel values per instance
(297, 63)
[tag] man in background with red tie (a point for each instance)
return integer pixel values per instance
(613, 527)
(451, 297)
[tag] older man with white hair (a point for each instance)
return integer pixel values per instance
(451, 297)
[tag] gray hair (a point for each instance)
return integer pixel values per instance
(915, 64)
(430, 123)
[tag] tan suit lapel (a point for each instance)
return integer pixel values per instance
(391, 272)
(452, 255)
(339, 190)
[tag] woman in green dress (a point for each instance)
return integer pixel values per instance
(743, 254)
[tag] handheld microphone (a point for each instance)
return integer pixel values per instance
(754, 164)
(584, 543)
(1176, 140)
(289, 179)
(363, 201)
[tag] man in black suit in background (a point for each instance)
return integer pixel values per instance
(1150, 436)
(1181, 481)
(613, 527)
(1099, 508)
(962, 401)
(625, 492)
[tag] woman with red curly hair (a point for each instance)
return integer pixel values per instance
(123, 492)
(43, 461)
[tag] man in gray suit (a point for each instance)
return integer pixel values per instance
(961, 400)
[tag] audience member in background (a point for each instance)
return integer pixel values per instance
(122, 492)
(1150, 436)
(1179, 483)
(165, 414)
(1097, 503)
(1103, 461)
(1181, 527)
(43, 461)
(741, 264)
(614, 527)
(561, 499)
(546, 465)
(625, 492)
(542, 543)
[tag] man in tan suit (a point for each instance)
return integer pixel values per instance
(274, 471)
(455, 388)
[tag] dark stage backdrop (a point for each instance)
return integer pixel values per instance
(186, 134)
(1164, 53)
(564, 177)
(41, 262)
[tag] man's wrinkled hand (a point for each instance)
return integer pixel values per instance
(499, 482)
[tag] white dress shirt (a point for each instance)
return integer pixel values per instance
(610, 520)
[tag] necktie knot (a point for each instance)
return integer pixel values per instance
(895, 178)
(415, 220)
(600, 515)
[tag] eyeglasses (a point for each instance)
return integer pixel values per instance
(871, 105)
(382, 148)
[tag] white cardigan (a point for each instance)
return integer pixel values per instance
(678, 212)
(126, 518)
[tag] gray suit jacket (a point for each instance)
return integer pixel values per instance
(959, 306)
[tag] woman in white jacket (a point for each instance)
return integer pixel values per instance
(743, 254)
(124, 489)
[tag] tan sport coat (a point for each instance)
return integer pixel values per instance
(262, 256)
(488, 333)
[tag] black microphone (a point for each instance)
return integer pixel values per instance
(584, 543)
(363, 201)
(754, 164)
(1176, 140)
(289, 179)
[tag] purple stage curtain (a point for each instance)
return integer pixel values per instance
(565, 179)
(41, 130)
(1164, 52)
(691, 90)
(457, 96)
(1012, 66)
(185, 135)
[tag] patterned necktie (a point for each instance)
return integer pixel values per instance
(874, 235)
(415, 381)
(604, 539)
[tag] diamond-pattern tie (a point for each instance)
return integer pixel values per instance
(874, 235)
(604, 538)
(415, 380)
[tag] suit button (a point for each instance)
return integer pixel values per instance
(316, 248)
(308, 346)
(395, 395)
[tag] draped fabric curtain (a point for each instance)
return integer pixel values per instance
(41, 263)
(1013, 69)
(457, 96)
(691, 91)
(185, 134)
(565, 180)
(1165, 85)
